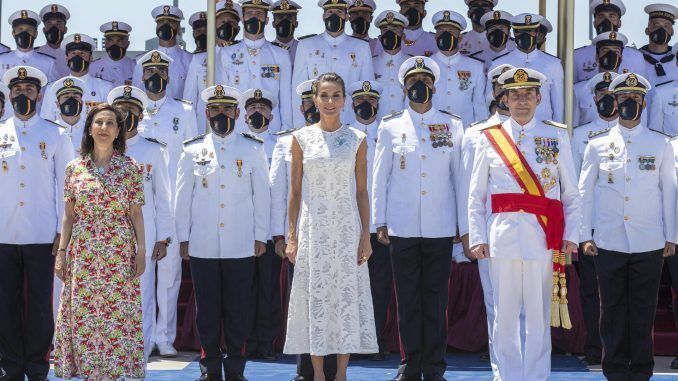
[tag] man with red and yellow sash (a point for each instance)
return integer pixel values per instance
(525, 167)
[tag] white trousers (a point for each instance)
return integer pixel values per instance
(167, 293)
(525, 286)
(484, 270)
(147, 283)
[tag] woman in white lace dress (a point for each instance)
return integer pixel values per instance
(330, 310)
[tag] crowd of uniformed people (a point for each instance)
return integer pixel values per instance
(465, 144)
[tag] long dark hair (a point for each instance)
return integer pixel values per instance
(87, 143)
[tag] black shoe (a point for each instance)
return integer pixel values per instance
(209, 377)
(269, 356)
(437, 377)
(402, 377)
(377, 357)
(39, 378)
(485, 357)
(237, 377)
(298, 378)
(592, 360)
(674, 363)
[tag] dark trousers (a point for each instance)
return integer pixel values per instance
(304, 364)
(381, 285)
(590, 304)
(672, 264)
(421, 269)
(265, 311)
(222, 297)
(629, 284)
(26, 319)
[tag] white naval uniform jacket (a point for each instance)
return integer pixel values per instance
(259, 64)
(552, 98)
(583, 134)
(280, 179)
(177, 70)
(74, 132)
(663, 115)
(518, 235)
(586, 64)
(117, 72)
(473, 42)
(370, 132)
(171, 122)
(45, 63)
(96, 91)
(292, 47)
(222, 207)
(461, 87)
(392, 97)
(419, 42)
(488, 55)
(670, 67)
(157, 209)
(635, 207)
(60, 62)
(33, 159)
(423, 199)
(345, 55)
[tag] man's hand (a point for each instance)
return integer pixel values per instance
(259, 248)
(669, 249)
(481, 251)
(382, 236)
(55, 244)
(280, 248)
(589, 248)
(568, 247)
(159, 250)
(183, 250)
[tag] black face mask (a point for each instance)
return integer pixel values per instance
(254, 26)
(222, 124)
(165, 32)
(54, 36)
(227, 32)
(334, 24)
(23, 105)
(70, 107)
(155, 84)
(365, 110)
(131, 122)
(312, 115)
(605, 106)
(606, 26)
(257, 122)
(419, 92)
(116, 52)
(414, 17)
(360, 25)
(476, 14)
(24, 40)
(630, 110)
(525, 41)
(447, 42)
(201, 42)
(284, 29)
(660, 36)
(78, 64)
(610, 61)
(390, 40)
(497, 38)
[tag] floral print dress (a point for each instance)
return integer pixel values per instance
(99, 333)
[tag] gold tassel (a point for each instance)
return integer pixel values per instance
(555, 299)
(564, 313)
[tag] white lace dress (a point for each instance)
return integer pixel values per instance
(330, 308)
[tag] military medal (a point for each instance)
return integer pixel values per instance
(204, 182)
(43, 146)
(355, 63)
(238, 164)
(464, 79)
(5, 168)
(402, 161)
(646, 163)
(149, 167)
(175, 127)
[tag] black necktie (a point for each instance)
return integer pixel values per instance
(658, 63)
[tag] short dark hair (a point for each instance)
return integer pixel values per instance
(329, 77)
(87, 143)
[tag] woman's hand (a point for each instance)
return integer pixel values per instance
(139, 262)
(291, 251)
(60, 265)
(364, 249)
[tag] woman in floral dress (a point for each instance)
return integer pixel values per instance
(100, 258)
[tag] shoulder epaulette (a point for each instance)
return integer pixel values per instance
(1, 44)
(359, 39)
(306, 36)
(184, 101)
(581, 47)
(660, 133)
(156, 141)
(252, 137)
(478, 122)
(56, 124)
(9, 51)
(285, 132)
(393, 115)
(663, 83)
(555, 124)
(280, 45)
(594, 134)
(497, 57)
(490, 125)
(191, 140)
(549, 54)
(97, 59)
(45, 54)
(473, 57)
(450, 114)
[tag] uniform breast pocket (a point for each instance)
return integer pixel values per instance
(203, 169)
(241, 174)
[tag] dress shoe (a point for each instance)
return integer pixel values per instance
(674, 363)
(269, 356)
(236, 377)
(38, 378)
(437, 377)
(402, 377)
(209, 377)
(166, 350)
(298, 378)
(377, 357)
(485, 357)
(592, 360)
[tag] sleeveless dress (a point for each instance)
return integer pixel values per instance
(330, 308)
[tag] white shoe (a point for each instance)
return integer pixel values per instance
(167, 350)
